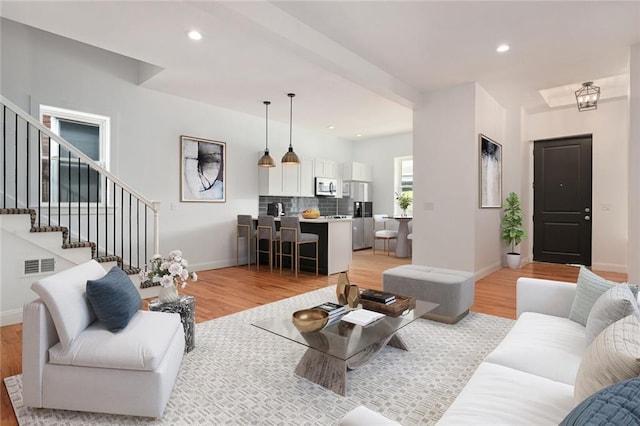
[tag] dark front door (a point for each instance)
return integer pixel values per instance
(562, 211)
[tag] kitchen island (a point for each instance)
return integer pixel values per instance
(334, 245)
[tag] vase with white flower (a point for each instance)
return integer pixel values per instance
(404, 200)
(169, 272)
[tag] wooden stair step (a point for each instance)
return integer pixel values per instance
(63, 229)
(66, 244)
(30, 212)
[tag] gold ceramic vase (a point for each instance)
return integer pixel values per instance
(342, 288)
(353, 295)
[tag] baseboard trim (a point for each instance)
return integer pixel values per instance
(609, 267)
(11, 317)
(487, 271)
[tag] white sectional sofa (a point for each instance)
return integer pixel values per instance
(529, 377)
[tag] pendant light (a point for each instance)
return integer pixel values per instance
(290, 157)
(266, 160)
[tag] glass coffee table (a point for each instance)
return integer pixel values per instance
(342, 346)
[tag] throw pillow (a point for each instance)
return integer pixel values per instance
(590, 287)
(114, 298)
(613, 356)
(615, 304)
(617, 404)
(64, 296)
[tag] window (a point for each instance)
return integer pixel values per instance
(64, 178)
(403, 180)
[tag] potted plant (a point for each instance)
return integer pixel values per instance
(404, 201)
(512, 231)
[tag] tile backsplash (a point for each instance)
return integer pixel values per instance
(292, 206)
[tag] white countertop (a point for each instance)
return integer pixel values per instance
(321, 219)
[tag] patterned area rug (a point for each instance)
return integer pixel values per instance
(241, 375)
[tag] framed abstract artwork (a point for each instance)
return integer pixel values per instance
(490, 173)
(202, 170)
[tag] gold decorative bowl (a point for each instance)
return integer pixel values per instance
(313, 214)
(310, 320)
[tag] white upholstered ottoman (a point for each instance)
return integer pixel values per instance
(453, 290)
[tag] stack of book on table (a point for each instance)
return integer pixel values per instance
(334, 310)
(378, 296)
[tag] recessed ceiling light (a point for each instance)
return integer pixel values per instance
(195, 35)
(502, 48)
(359, 134)
(331, 127)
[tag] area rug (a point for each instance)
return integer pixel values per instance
(239, 374)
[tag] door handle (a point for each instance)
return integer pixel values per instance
(587, 218)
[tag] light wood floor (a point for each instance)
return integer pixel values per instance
(225, 291)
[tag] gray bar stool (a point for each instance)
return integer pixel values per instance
(290, 233)
(245, 229)
(267, 231)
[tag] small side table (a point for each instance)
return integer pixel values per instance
(186, 307)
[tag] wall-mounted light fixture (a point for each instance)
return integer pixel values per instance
(587, 96)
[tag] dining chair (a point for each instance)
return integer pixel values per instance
(382, 234)
(267, 231)
(290, 233)
(245, 228)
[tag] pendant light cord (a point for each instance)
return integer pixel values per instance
(266, 125)
(291, 95)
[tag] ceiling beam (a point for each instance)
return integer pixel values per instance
(268, 21)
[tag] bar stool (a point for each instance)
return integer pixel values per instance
(267, 231)
(290, 233)
(245, 229)
(382, 234)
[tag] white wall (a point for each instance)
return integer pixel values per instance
(380, 153)
(38, 67)
(490, 118)
(609, 125)
(445, 156)
(633, 162)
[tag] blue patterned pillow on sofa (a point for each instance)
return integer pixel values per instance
(114, 299)
(615, 405)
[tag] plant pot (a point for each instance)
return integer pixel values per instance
(513, 260)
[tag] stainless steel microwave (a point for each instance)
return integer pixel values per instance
(326, 187)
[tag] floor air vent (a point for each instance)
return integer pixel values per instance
(36, 266)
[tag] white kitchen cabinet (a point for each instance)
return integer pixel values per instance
(270, 180)
(307, 183)
(287, 181)
(291, 179)
(358, 172)
(326, 168)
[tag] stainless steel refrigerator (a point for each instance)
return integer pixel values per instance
(362, 212)
(362, 237)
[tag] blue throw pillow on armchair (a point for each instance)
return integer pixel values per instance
(114, 299)
(615, 405)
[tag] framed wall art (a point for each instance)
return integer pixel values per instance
(490, 173)
(202, 170)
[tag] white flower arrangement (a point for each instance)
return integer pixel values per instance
(168, 271)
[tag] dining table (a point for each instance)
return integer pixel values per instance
(402, 243)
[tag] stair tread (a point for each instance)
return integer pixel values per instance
(30, 212)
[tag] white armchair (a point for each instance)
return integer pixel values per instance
(71, 361)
